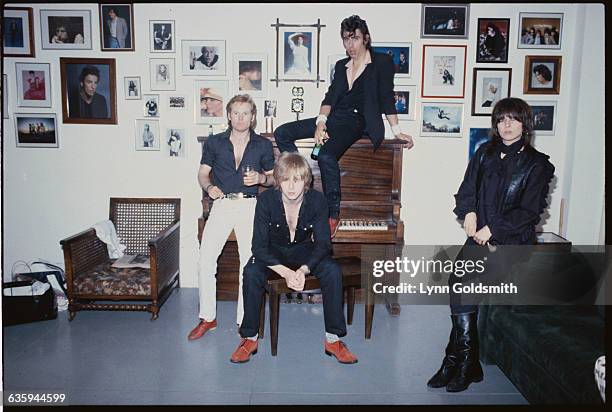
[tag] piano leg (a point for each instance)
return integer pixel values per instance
(350, 305)
(392, 279)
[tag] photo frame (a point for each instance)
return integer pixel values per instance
(65, 29)
(542, 75)
(203, 57)
(162, 74)
(443, 71)
(89, 90)
(401, 54)
(544, 117)
(117, 19)
(18, 32)
(540, 30)
(210, 98)
(478, 136)
(250, 73)
(445, 21)
(36, 130)
(175, 142)
(177, 101)
(4, 91)
(332, 59)
(147, 137)
(150, 105)
(441, 119)
(132, 87)
(33, 84)
(493, 40)
(489, 86)
(405, 101)
(162, 36)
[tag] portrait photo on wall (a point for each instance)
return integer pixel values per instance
(443, 71)
(488, 87)
(331, 64)
(493, 35)
(542, 75)
(116, 27)
(211, 97)
(133, 90)
(147, 137)
(270, 108)
(540, 30)
(151, 105)
(36, 130)
(298, 53)
(203, 57)
(400, 53)
(478, 136)
(177, 101)
(33, 84)
(442, 119)
(18, 32)
(175, 142)
(445, 21)
(162, 74)
(4, 91)
(161, 35)
(544, 116)
(250, 74)
(89, 92)
(405, 101)
(65, 29)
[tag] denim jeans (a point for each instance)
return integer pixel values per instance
(113, 43)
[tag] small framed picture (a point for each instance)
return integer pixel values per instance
(151, 105)
(161, 35)
(542, 75)
(401, 54)
(443, 72)
(489, 86)
(251, 74)
(540, 30)
(445, 21)
(332, 59)
(4, 92)
(442, 119)
(404, 101)
(116, 27)
(203, 57)
(175, 142)
(65, 29)
(147, 137)
(270, 108)
(210, 98)
(36, 130)
(177, 101)
(544, 116)
(493, 40)
(18, 32)
(478, 136)
(133, 90)
(162, 74)
(33, 84)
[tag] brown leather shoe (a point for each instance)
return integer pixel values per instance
(333, 226)
(340, 351)
(201, 329)
(244, 351)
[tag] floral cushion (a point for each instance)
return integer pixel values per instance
(107, 280)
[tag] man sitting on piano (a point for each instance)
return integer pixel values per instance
(362, 89)
(291, 237)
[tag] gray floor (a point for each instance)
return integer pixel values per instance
(124, 358)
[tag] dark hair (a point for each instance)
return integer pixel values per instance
(354, 22)
(544, 71)
(249, 66)
(87, 70)
(514, 108)
(493, 26)
(109, 10)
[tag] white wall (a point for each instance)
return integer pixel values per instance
(53, 193)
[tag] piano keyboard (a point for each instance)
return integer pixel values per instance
(348, 224)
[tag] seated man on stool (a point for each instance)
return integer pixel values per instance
(291, 238)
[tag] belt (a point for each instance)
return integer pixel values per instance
(234, 196)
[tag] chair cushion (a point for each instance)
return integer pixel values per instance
(107, 280)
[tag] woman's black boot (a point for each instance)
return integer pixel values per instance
(449, 364)
(468, 365)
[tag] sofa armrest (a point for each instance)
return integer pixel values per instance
(164, 253)
(82, 252)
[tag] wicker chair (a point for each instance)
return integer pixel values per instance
(146, 226)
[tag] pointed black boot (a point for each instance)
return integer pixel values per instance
(449, 364)
(468, 368)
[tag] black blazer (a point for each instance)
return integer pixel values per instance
(378, 96)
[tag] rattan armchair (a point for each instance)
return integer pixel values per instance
(146, 226)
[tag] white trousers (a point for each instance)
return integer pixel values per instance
(225, 215)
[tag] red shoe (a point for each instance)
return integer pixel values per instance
(333, 226)
(244, 351)
(201, 329)
(340, 351)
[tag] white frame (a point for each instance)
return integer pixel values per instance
(411, 103)
(152, 37)
(39, 115)
(466, 23)
(222, 87)
(169, 62)
(222, 52)
(44, 29)
(504, 74)
(183, 150)
(314, 53)
(5, 112)
(522, 15)
(261, 57)
(28, 49)
(554, 122)
(428, 86)
(145, 98)
(20, 67)
(425, 105)
(126, 87)
(138, 135)
(402, 45)
(185, 100)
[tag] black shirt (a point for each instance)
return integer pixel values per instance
(352, 100)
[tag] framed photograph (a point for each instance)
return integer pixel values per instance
(404, 101)
(147, 137)
(251, 74)
(209, 101)
(270, 108)
(542, 75)
(151, 105)
(177, 101)
(116, 27)
(175, 142)
(132, 87)
(18, 32)
(162, 74)
(161, 35)
(65, 29)
(203, 57)
(540, 30)
(89, 91)
(332, 59)
(33, 84)
(488, 87)
(401, 54)
(36, 130)
(544, 116)
(493, 40)
(443, 72)
(4, 92)
(442, 119)
(478, 136)
(445, 21)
